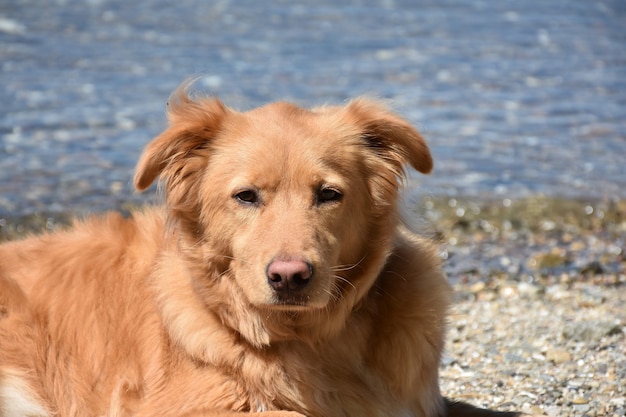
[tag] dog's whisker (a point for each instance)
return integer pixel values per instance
(342, 279)
(228, 270)
(334, 294)
(347, 267)
(232, 258)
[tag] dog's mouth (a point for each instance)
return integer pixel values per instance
(293, 302)
(288, 306)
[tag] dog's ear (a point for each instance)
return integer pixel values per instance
(390, 136)
(193, 122)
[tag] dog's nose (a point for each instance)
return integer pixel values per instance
(289, 275)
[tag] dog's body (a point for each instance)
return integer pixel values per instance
(277, 279)
(92, 340)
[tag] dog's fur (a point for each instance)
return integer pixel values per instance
(277, 278)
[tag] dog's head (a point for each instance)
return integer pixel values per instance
(296, 207)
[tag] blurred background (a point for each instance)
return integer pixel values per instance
(515, 98)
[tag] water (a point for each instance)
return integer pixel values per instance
(515, 98)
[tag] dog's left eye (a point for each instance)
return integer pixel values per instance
(327, 195)
(247, 197)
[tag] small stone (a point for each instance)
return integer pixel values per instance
(508, 292)
(536, 410)
(575, 383)
(592, 268)
(477, 287)
(558, 356)
(528, 290)
(486, 296)
(552, 411)
(590, 331)
(552, 259)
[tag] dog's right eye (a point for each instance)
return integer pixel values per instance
(247, 197)
(328, 195)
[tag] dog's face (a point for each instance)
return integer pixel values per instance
(289, 202)
(276, 188)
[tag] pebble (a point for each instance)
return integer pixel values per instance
(558, 356)
(477, 287)
(590, 331)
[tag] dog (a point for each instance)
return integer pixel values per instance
(276, 279)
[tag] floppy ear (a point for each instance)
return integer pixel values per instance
(192, 125)
(390, 136)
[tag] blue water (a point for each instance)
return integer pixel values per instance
(515, 98)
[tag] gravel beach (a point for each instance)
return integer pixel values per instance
(556, 349)
(538, 322)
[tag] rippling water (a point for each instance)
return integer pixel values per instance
(515, 98)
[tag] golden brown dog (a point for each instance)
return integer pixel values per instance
(276, 279)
